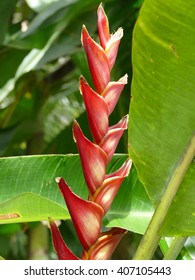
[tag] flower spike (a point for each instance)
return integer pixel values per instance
(84, 214)
(100, 102)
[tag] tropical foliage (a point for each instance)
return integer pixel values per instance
(41, 61)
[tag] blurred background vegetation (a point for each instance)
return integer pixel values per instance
(41, 59)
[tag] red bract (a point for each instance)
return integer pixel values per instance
(123, 171)
(98, 61)
(63, 252)
(112, 46)
(105, 245)
(112, 92)
(105, 195)
(112, 137)
(103, 27)
(93, 159)
(99, 103)
(84, 214)
(97, 111)
(109, 42)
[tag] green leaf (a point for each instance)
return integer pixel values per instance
(162, 118)
(28, 64)
(10, 60)
(189, 249)
(44, 24)
(47, 21)
(28, 187)
(54, 119)
(131, 208)
(29, 192)
(41, 5)
(187, 252)
(6, 10)
(44, 38)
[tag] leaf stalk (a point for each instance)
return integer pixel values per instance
(175, 248)
(151, 238)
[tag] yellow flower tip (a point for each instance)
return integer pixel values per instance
(124, 79)
(84, 33)
(57, 179)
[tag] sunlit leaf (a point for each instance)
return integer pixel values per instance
(29, 192)
(162, 118)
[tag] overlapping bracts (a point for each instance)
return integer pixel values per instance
(95, 156)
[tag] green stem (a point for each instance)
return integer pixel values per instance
(10, 111)
(175, 248)
(150, 240)
(38, 242)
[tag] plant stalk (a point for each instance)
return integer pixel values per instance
(38, 243)
(151, 238)
(175, 248)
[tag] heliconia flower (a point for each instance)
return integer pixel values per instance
(84, 214)
(105, 245)
(109, 42)
(98, 62)
(93, 159)
(87, 215)
(62, 251)
(112, 92)
(112, 137)
(97, 111)
(105, 195)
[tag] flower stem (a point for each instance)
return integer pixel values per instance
(151, 238)
(175, 248)
(38, 242)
